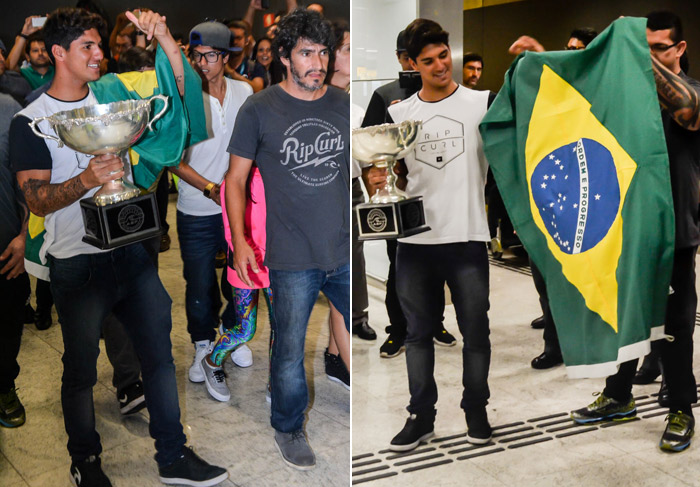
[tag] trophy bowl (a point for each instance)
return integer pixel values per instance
(382, 145)
(109, 128)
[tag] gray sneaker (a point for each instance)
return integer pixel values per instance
(295, 450)
(215, 379)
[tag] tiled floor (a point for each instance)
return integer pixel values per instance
(236, 435)
(624, 455)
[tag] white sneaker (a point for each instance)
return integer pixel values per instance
(201, 349)
(242, 356)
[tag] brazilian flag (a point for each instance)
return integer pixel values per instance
(182, 125)
(576, 145)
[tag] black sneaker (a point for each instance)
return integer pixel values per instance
(416, 429)
(605, 408)
(444, 338)
(679, 432)
(131, 399)
(478, 428)
(11, 410)
(336, 370)
(42, 319)
(392, 347)
(189, 469)
(88, 473)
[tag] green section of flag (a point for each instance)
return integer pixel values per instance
(607, 263)
(182, 125)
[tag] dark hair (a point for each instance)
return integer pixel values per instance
(662, 20)
(37, 36)
(472, 56)
(136, 58)
(422, 32)
(64, 25)
(584, 34)
(340, 27)
(302, 24)
(240, 24)
(257, 43)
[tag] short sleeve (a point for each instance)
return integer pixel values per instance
(27, 151)
(245, 136)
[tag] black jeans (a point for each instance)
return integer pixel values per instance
(13, 295)
(676, 355)
(549, 334)
(422, 271)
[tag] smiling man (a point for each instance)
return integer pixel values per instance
(297, 132)
(88, 283)
(447, 167)
(200, 229)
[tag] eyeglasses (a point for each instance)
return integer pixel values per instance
(662, 47)
(210, 56)
(574, 48)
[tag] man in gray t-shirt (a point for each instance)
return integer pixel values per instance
(297, 132)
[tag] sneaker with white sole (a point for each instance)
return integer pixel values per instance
(202, 348)
(242, 356)
(215, 379)
(189, 469)
(131, 399)
(295, 450)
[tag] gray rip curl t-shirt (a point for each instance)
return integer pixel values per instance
(302, 150)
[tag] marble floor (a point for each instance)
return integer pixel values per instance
(534, 443)
(236, 435)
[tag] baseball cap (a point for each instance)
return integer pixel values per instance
(214, 34)
(401, 41)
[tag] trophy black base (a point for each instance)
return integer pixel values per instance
(376, 221)
(123, 223)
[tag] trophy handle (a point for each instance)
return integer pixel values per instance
(164, 99)
(32, 125)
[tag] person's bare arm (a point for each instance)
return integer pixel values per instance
(676, 96)
(43, 197)
(525, 43)
(235, 198)
(253, 7)
(14, 58)
(153, 25)
(185, 172)
(291, 5)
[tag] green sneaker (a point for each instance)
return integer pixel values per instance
(11, 410)
(679, 431)
(605, 408)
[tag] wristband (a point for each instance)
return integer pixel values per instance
(23, 36)
(207, 190)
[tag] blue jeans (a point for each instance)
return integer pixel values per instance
(421, 274)
(295, 294)
(201, 237)
(86, 288)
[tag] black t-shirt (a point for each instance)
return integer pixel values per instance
(684, 162)
(10, 213)
(382, 97)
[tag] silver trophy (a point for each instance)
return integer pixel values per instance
(390, 213)
(116, 215)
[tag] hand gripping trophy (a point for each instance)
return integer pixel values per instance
(390, 212)
(116, 215)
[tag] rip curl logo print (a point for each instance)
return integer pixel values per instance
(312, 163)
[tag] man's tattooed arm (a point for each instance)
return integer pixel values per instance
(677, 96)
(43, 197)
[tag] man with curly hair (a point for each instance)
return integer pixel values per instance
(298, 134)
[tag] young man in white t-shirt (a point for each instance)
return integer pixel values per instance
(447, 167)
(200, 228)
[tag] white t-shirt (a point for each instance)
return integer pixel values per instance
(447, 165)
(209, 157)
(64, 228)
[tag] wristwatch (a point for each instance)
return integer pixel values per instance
(207, 189)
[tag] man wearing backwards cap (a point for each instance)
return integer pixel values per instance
(199, 224)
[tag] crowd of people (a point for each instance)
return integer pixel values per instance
(262, 178)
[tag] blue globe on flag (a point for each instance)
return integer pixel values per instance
(576, 191)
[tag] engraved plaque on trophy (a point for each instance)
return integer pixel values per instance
(390, 213)
(116, 215)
